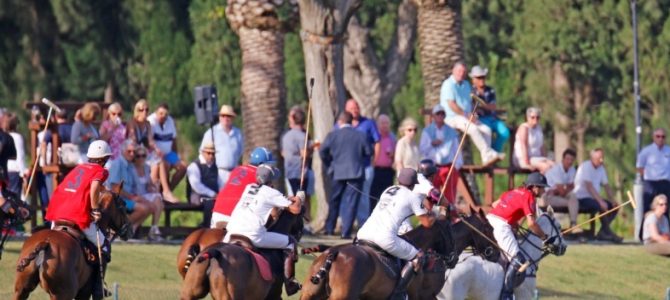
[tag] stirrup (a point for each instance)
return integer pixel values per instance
(292, 286)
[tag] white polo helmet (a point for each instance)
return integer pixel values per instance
(99, 149)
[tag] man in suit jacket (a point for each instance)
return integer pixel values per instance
(344, 152)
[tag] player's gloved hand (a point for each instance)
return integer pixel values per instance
(96, 214)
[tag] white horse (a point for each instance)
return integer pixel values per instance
(476, 278)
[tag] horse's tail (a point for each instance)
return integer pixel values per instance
(196, 282)
(193, 251)
(325, 268)
(37, 254)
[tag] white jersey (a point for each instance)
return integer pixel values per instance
(252, 211)
(396, 204)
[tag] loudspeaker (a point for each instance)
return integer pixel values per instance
(206, 104)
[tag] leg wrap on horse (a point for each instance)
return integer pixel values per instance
(513, 277)
(291, 285)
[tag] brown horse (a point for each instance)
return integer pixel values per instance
(55, 259)
(228, 271)
(357, 272)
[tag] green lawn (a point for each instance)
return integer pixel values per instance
(586, 272)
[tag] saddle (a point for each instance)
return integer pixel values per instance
(263, 264)
(89, 250)
(392, 264)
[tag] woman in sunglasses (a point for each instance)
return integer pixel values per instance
(113, 129)
(529, 150)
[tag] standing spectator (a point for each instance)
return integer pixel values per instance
(344, 153)
(64, 126)
(165, 137)
(83, 131)
(487, 112)
(383, 163)
(407, 154)
(455, 98)
(113, 129)
(204, 179)
(367, 127)
(529, 150)
(439, 143)
(147, 189)
(653, 163)
(591, 175)
(122, 171)
(293, 152)
(656, 231)
(44, 181)
(7, 148)
(561, 181)
(228, 142)
(16, 168)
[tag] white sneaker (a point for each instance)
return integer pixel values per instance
(492, 157)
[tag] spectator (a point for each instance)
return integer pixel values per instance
(16, 168)
(204, 180)
(455, 98)
(44, 181)
(64, 126)
(407, 153)
(439, 143)
(591, 175)
(487, 111)
(147, 189)
(165, 137)
(239, 178)
(344, 153)
(529, 150)
(122, 171)
(293, 152)
(383, 163)
(653, 163)
(656, 231)
(369, 128)
(561, 181)
(83, 131)
(228, 142)
(7, 148)
(113, 129)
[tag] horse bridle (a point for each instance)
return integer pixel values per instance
(488, 250)
(450, 258)
(554, 230)
(113, 230)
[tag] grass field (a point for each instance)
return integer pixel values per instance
(147, 272)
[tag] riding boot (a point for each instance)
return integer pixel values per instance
(513, 277)
(406, 274)
(291, 285)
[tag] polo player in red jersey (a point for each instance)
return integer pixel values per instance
(512, 207)
(239, 178)
(76, 200)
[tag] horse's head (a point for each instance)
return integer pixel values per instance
(552, 228)
(114, 214)
(476, 224)
(437, 238)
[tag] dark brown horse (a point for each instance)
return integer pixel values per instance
(228, 271)
(55, 260)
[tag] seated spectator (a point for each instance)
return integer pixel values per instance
(165, 136)
(487, 111)
(64, 126)
(113, 129)
(529, 150)
(656, 231)
(122, 171)
(16, 168)
(293, 152)
(439, 142)
(228, 141)
(239, 178)
(591, 175)
(203, 175)
(83, 131)
(383, 162)
(456, 100)
(561, 181)
(147, 188)
(407, 153)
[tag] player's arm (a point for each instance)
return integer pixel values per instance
(96, 187)
(534, 227)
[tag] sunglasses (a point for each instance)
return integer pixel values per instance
(141, 156)
(208, 152)
(225, 116)
(142, 109)
(534, 117)
(662, 204)
(411, 129)
(115, 113)
(660, 136)
(130, 150)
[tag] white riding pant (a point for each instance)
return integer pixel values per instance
(393, 244)
(504, 235)
(268, 240)
(218, 217)
(479, 133)
(90, 233)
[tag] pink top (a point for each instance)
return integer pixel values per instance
(116, 138)
(387, 147)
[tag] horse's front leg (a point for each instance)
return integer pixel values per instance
(526, 289)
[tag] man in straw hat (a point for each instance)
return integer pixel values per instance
(203, 177)
(487, 112)
(227, 140)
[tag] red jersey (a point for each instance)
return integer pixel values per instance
(230, 194)
(515, 205)
(72, 198)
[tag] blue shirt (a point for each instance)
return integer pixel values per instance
(122, 170)
(489, 96)
(452, 91)
(228, 146)
(369, 128)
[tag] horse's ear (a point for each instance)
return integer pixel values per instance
(482, 213)
(117, 188)
(550, 211)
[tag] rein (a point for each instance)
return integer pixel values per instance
(526, 233)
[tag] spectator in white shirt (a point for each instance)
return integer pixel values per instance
(16, 168)
(165, 137)
(653, 163)
(227, 140)
(591, 175)
(203, 175)
(561, 180)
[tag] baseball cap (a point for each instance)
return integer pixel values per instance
(478, 71)
(437, 108)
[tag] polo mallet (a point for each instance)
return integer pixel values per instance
(102, 272)
(52, 106)
(631, 200)
(309, 113)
